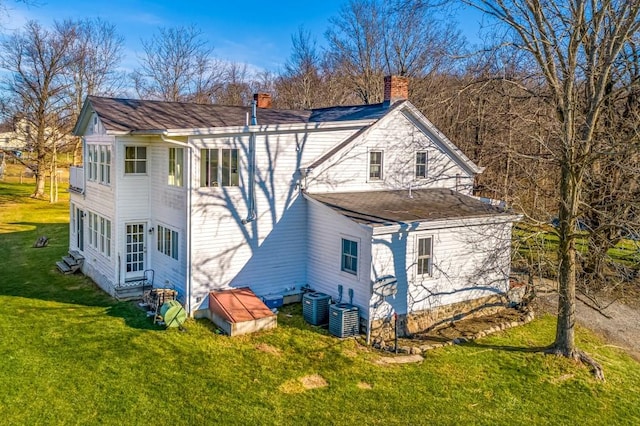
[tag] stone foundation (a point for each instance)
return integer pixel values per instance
(432, 319)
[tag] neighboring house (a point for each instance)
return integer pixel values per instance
(14, 139)
(213, 197)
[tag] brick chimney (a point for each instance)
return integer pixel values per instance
(396, 88)
(263, 100)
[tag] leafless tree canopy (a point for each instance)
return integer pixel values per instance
(177, 65)
(577, 47)
(49, 72)
(36, 60)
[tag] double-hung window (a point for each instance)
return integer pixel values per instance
(349, 256)
(176, 161)
(105, 164)
(99, 163)
(105, 237)
(135, 160)
(168, 242)
(421, 165)
(219, 167)
(92, 160)
(100, 234)
(375, 165)
(424, 260)
(93, 229)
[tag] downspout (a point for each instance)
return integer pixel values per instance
(189, 211)
(251, 166)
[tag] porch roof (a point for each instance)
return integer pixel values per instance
(380, 208)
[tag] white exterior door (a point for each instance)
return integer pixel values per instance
(136, 250)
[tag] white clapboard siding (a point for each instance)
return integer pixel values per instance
(326, 229)
(267, 253)
(98, 198)
(469, 262)
(399, 140)
(168, 207)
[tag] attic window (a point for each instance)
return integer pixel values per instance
(375, 165)
(421, 165)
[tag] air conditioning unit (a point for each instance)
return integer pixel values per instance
(315, 308)
(344, 320)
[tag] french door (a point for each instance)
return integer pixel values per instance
(136, 250)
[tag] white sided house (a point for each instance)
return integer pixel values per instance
(207, 197)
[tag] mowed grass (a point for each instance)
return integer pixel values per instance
(71, 355)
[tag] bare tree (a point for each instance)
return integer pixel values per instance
(177, 65)
(355, 47)
(36, 60)
(97, 51)
(300, 84)
(575, 46)
(235, 88)
(371, 38)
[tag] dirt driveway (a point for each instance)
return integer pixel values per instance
(622, 328)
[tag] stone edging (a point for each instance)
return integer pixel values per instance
(418, 350)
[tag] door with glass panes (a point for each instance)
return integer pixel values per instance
(136, 250)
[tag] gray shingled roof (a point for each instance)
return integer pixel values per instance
(142, 115)
(378, 208)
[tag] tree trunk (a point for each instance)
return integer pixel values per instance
(565, 330)
(39, 190)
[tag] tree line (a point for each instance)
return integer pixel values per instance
(549, 104)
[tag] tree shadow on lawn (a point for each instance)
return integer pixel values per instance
(507, 348)
(31, 273)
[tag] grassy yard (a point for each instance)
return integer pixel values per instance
(71, 355)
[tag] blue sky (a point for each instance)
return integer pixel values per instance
(257, 33)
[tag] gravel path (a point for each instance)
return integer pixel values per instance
(621, 329)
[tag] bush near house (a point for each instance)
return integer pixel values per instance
(71, 354)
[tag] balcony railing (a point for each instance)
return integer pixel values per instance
(76, 179)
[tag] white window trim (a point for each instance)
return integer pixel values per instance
(99, 160)
(426, 165)
(104, 164)
(136, 160)
(174, 245)
(100, 230)
(92, 163)
(358, 256)
(381, 178)
(178, 168)
(219, 178)
(417, 255)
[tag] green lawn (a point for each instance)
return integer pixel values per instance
(71, 355)
(540, 244)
